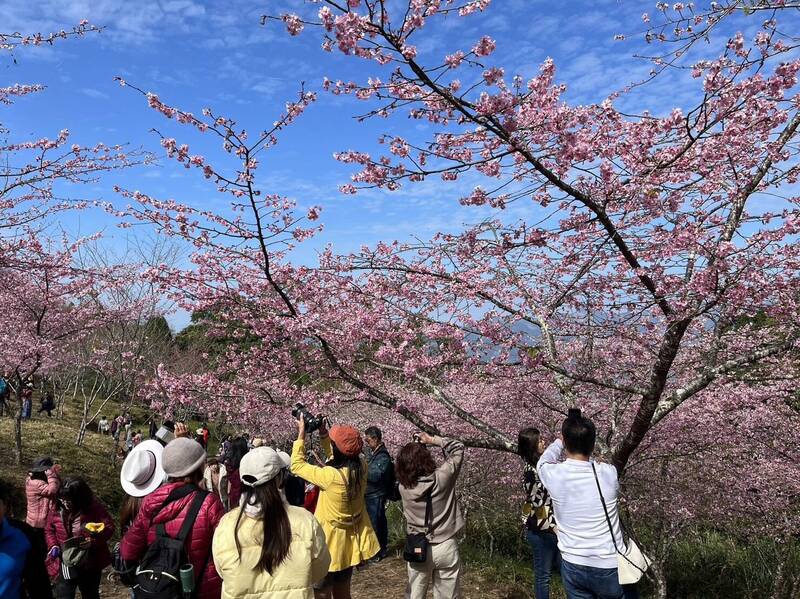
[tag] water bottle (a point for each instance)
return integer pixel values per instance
(187, 579)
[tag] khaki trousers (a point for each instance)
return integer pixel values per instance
(442, 568)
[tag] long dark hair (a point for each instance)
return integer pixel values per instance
(77, 491)
(277, 530)
(528, 445)
(128, 511)
(355, 470)
(413, 461)
(236, 451)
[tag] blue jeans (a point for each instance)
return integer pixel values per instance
(376, 508)
(546, 558)
(586, 582)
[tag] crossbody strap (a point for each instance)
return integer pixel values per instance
(429, 511)
(608, 521)
(191, 515)
(605, 511)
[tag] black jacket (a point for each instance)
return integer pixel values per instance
(35, 581)
(380, 476)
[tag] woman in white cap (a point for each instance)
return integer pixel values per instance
(267, 546)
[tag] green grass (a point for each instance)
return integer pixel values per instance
(708, 565)
(42, 436)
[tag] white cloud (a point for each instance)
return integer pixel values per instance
(94, 93)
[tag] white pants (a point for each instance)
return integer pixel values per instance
(442, 567)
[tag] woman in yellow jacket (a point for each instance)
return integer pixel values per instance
(266, 547)
(340, 507)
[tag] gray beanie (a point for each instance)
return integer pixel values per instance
(183, 456)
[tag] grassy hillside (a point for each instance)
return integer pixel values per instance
(55, 437)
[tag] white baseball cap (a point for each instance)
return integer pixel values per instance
(285, 458)
(259, 466)
(143, 472)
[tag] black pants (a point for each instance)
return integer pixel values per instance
(88, 581)
(44, 409)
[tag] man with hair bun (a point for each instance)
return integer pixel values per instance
(588, 554)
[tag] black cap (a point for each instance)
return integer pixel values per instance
(42, 465)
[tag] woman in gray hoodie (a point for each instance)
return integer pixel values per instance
(419, 479)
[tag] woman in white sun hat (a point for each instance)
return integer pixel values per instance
(141, 474)
(267, 547)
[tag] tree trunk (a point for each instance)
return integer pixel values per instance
(18, 427)
(81, 431)
(660, 579)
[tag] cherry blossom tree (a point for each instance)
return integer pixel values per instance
(47, 306)
(646, 240)
(44, 296)
(641, 266)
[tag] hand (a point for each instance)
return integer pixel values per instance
(425, 438)
(301, 429)
(323, 430)
(181, 430)
(54, 552)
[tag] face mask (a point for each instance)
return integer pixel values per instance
(252, 509)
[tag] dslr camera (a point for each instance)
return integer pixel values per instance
(312, 422)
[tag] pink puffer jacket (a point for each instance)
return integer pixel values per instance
(41, 497)
(142, 533)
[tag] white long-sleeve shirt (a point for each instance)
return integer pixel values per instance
(583, 535)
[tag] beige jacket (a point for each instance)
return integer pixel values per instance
(448, 520)
(306, 564)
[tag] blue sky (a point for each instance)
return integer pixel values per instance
(196, 53)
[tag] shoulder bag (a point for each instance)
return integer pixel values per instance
(416, 548)
(632, 563)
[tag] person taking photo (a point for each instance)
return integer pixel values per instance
(340, 508)
(422, 483)
(537, 514)
(588, 550)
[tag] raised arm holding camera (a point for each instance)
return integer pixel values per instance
(433, 516)
(340, 508)
(584, 495)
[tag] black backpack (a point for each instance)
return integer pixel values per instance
(158, 575)
(392, 484)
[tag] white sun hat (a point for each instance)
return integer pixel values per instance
(142, 472)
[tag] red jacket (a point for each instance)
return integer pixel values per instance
(235, 492)
(142, 533)
(41, 497)
(56, 534)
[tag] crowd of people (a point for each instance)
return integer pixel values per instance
(256, 521)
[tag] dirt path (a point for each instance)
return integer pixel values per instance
(386, 580)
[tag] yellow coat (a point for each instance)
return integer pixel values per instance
(306, 564)
(346, 523)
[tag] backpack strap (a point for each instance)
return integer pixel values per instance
(191, 515)
(176, 494)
